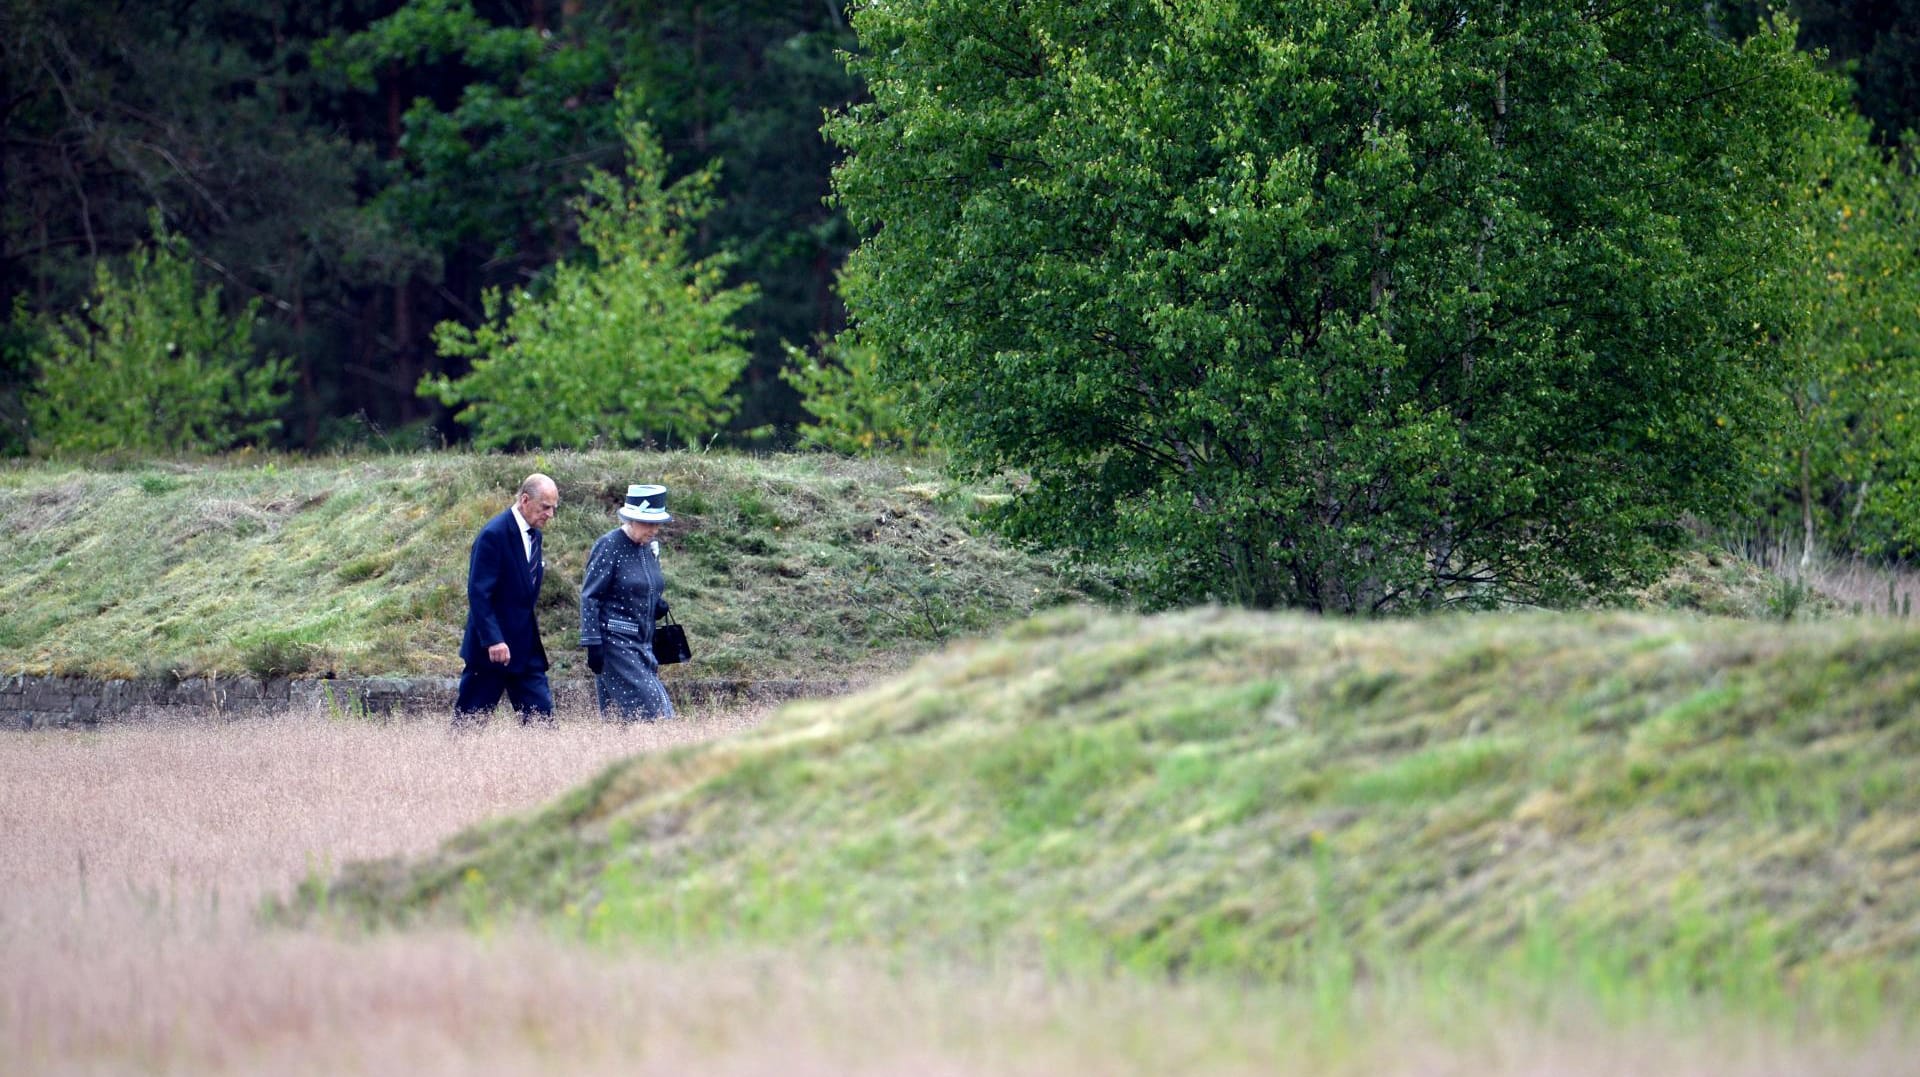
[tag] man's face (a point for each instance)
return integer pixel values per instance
(539, 507)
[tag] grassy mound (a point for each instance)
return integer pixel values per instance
(792, 566)
(1689, 804)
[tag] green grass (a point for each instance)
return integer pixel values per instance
(804, 566)
(1648, 808)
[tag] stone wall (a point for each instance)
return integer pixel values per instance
(63, 702)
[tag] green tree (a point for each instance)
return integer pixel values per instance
(213, 111)
(745, 83)
(1843, 473)
(496, 109)
(855, 408)
(1340, 304)
(501, 116)
(1875, 42)
(19, 338)
(635, 346)
(151, 364)
(370, 167)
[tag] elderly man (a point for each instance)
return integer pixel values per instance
(502, 645)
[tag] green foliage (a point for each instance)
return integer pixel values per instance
(1843, 475)
(855, 408)
(1870, 40)
(746, 83)
(1343, 305)
(20, 338)
(150, 364)
(1789, 597)
(370, 167)
(523, 99)
(214, 111)
(637, 345)
(483, 167)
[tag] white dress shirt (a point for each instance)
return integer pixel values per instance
(526, 535)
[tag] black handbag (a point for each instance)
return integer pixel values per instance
(670, 642)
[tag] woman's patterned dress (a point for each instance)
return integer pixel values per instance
(622, 595)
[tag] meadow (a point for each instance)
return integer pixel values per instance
(1036, 836)
(137, 856)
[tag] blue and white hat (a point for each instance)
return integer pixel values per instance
(646, 505)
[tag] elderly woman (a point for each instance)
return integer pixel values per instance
(622, 596)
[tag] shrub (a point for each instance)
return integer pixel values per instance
(634, 347)
(858, 410)
(150, 364)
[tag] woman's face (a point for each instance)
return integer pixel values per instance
(640, 532)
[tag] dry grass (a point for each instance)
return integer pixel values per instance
(132, 858)
(1853, 584)
(204, 814)
(1859, 585)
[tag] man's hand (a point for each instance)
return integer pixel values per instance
(596, 658)
(499, 654)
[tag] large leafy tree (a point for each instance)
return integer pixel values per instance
(1342, 304)
(634, 345)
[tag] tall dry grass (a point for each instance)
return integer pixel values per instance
(1855, 584)
(202, 816)
(132, 860)
(1866, 587)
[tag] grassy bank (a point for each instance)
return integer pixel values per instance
(1648, 807)
(791, 566)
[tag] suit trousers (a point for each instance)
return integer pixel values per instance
(481, 688)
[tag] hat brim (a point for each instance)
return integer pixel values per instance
(645, 516)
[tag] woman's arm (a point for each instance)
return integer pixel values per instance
(599, 575)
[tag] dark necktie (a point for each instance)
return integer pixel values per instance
(533, 568)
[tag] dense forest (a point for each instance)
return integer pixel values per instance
(390, 222)
(366, 168)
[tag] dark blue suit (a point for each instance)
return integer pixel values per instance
(502, 589)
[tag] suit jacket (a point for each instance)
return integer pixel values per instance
(502, 589)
